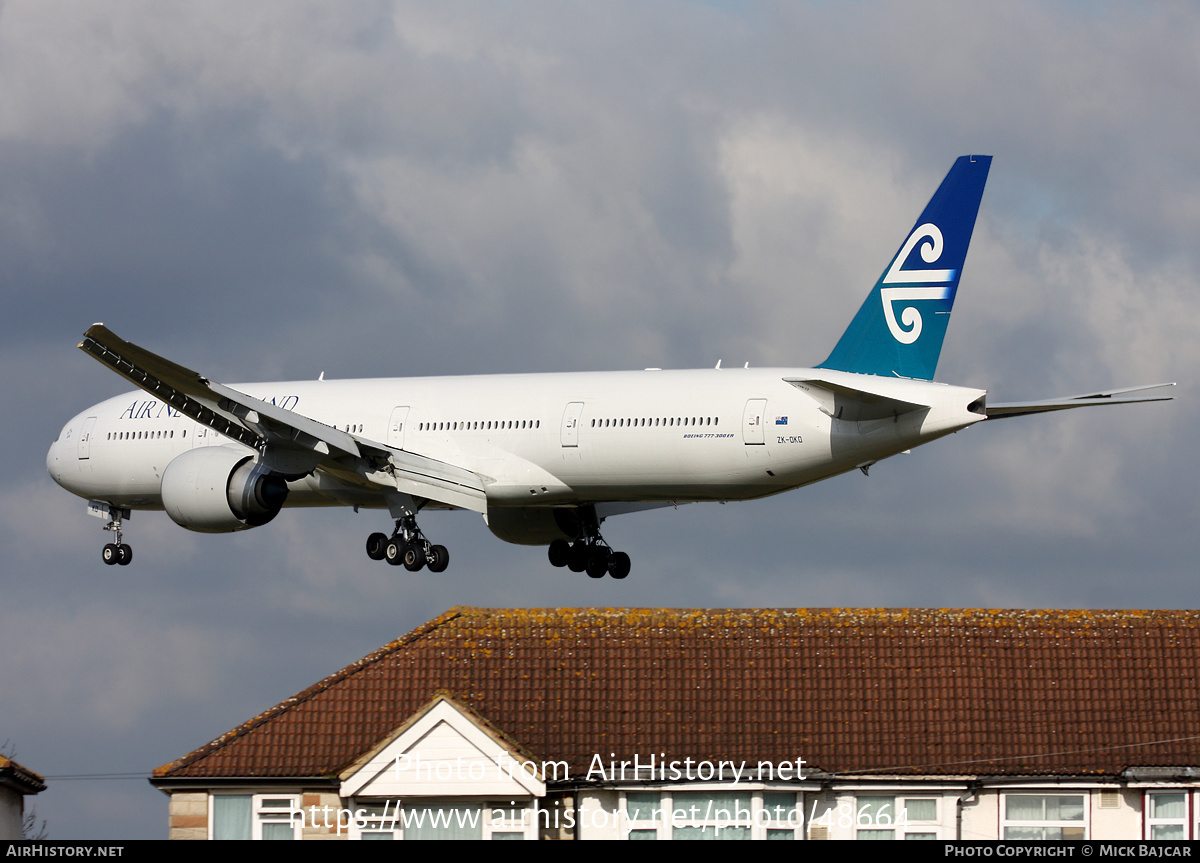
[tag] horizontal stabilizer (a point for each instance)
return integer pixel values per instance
(1105, 397)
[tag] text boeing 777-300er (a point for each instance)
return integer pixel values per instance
(544, 457)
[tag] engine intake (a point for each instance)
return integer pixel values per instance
(221, 489)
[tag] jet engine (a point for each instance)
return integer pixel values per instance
(221, 489)
(534, 525)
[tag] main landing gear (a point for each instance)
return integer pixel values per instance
(408, 546)
(591, 556)
(116, 552)
(590, 553)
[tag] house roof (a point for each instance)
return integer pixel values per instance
(851, 691)
(20, 779)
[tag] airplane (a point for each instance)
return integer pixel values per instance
(545, 458)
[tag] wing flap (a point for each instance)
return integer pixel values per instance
(421, 476)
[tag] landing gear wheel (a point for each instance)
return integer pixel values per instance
(414, 557)
(114, 552)
(560, 552)
(377, 546)
(597, 562)
(408, 546)
(588, 552)
(577, 558)
(618, 565)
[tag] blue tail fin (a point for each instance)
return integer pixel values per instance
(898, 331)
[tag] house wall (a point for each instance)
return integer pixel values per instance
(319, 830)
(188, 815)
(594, 816)
(980, 816)
(852, 812)
(1123, 822)
(1110, 812)
(12, 810)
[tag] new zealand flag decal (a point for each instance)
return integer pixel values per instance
(780, 421)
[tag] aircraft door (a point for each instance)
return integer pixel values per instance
(752, 422)
(570, 424)
(395, 433)
(85, 439)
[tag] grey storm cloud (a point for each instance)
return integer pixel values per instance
(275, 190)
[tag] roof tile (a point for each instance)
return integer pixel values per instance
(924, 691)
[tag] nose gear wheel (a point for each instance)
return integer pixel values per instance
(116, 552)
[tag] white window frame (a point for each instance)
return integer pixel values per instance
(883, 822)
(490, 828)
(517, 817)
(914, 827)
(264, 814)
(657, 822)
(711, 818)
(840, 814)
(899, 823)
(764, 824)
(1186, 821)
(260, 813)
(757, 818)
(1083, 823)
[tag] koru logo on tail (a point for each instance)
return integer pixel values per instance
(917, 284)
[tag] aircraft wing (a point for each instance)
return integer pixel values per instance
(290, 443)
(1104, 397)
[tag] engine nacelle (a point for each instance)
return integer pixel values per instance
(221, 489)
(534, 525)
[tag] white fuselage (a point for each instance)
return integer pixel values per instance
(545, 439)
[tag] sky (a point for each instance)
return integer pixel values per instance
(274, 190)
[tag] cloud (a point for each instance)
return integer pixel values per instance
(276, 190)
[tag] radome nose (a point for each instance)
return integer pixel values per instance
(52, 462)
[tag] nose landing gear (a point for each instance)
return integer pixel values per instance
(113, 552)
